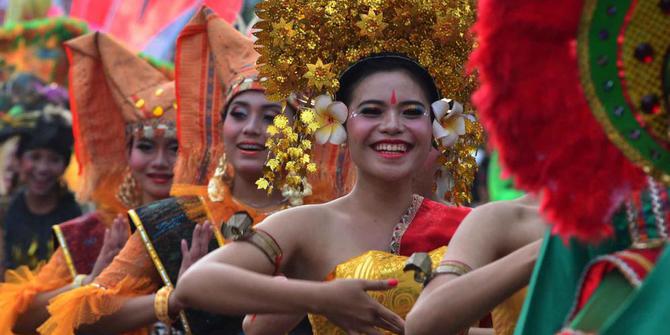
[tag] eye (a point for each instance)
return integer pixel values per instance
(145, 145)
(239, 113)
(269, 115)
(174, 147)
(33, 156)
(54, 159)
(413, 112)
(370, 111)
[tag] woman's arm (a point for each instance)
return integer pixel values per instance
(269, 324)
(458, 303)
(28, 321)
(236, 280)
(114, 240)
(490, 232)
(137, 312)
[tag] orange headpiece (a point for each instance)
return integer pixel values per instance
(113, 92)
(214, 63)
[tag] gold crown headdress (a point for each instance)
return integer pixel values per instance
(307, 44)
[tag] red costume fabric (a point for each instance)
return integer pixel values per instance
(433, 226)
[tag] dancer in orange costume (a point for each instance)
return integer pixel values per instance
(117, 174)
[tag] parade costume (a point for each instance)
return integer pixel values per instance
(604, 181)
(113, 92)
(213, 64)
(306, 47)
(426, 226)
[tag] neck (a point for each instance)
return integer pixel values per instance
(41, 204)
(381, 198)
(148, 198)
(244, 189)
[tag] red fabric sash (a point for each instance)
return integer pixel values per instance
(433, 226)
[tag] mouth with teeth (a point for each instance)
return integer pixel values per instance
(391, 149)
(250, 148)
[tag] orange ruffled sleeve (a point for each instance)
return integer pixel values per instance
(130, 274)
(21, 286)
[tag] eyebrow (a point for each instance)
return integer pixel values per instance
(264, 106)
(273, 105)
(402, 103)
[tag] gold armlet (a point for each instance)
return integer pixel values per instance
(422, 266)
(239, 228)
(78, 281)
(161, 305)
(451, 267)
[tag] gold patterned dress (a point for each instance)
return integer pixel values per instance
(427, 226)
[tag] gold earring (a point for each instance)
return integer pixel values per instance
(217, 184)
(128, 192)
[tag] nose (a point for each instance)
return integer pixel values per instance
(391, 123)
(41, 166)
(253, 126)
(162, 160)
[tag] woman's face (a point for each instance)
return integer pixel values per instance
(41, 169)
(249, 115)
(151, 162)
(389, 129)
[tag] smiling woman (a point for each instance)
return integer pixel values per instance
(220, 101)
(248, 115)
(151, 161)
(364, 235)
(116, 173)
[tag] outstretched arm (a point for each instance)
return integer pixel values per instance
(446, 310)
(487, 234)
(236, 279)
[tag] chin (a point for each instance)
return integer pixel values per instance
(159, 193)
(250, 169)
(41, 191)
(391, 173)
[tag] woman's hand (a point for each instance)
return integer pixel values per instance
(202, 234)
(345, 303)
(115, 238)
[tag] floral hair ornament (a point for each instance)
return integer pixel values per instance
(306, 46)
(331, 116)
(449, 121)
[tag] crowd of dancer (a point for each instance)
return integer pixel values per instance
(317, 180)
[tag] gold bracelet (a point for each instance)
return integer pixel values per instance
(78, 281)
(161, 305)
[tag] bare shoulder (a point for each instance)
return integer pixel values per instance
(494, 229)
(293, 224)
(491, 213)
(296, 218)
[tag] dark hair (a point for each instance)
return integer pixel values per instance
(50, 132)
(386, 62)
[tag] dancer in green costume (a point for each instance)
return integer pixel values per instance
(579, 113)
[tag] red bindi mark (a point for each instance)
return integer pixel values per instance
(394, 99)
